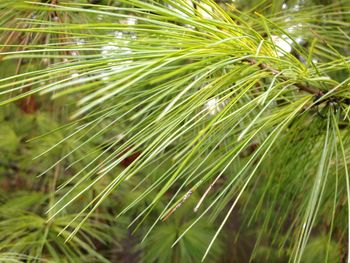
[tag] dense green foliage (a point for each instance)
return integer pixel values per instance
(174, 131)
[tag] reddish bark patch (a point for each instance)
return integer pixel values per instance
(29, 105)
(128, 160)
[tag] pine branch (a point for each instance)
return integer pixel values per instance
(309, 89)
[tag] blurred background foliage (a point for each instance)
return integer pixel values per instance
(47, 157)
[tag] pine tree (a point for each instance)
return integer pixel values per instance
(186, 130)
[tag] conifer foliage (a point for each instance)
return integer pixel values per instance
(175, 131)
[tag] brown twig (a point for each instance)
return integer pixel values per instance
(184, 198)
(264, 66)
